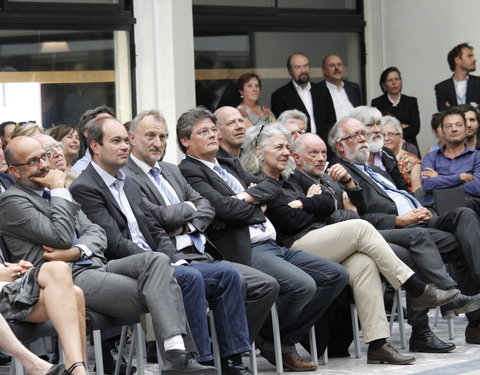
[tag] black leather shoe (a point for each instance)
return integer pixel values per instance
(236, 370)
(433, 297)
(5, 359)
(425, 341)
(388, 354)
(179, 362)
(110, 360)
(460, 304)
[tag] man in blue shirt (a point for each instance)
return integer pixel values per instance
(454, 164)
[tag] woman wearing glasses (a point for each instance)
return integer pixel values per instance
(408, 164)
(394, 103)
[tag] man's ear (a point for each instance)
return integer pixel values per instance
(94, 146)
(296, 158)
(132, 138)
(13, 171)
(185, 142)
(339, 146)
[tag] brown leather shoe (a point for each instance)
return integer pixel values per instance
(294, 362)
(433, 297)
(388, 354)
(290, 359)
(472, 335)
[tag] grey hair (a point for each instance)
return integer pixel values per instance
(95, 129)
(157, 115)
(366, 115)
(391, 120)
(335, 134)
(188, 119)
(259, 136)
(286, 117)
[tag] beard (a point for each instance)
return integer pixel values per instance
(303, 78)
(358, 155)
(375, 144)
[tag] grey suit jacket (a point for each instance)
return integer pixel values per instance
(175, 215)
(33, 222)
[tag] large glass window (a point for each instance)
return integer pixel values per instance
(73, 70)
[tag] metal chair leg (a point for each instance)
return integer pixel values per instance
(276, 339)
(313, 345)
(253, 359)
(215, 348)
(356, 330)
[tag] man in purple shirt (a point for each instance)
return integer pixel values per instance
(454, 164)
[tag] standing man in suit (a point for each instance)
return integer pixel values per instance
(456, 233)
(42, 222)
(346, 95)
(189, 213)
(114, 202)
(462, 87)
(311, 98)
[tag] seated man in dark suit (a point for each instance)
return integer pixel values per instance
(308, 284)
(114, 202)
(300, 93)
(184, 213)
(456, 233)
(462, 87)
(414, 246)
(346, 95)
(44, 223)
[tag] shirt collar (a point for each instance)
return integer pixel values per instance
(393, 101)
(465, 151)
(144, 166)
(107, 177)
(333, 86)
(209, 164)
(299, 88)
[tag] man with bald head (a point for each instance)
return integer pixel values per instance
(231, 131)
(346, 95)
(54, 227)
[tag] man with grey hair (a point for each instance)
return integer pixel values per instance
(456, 233)
(295, 121)
(380, 156)
(184, 213)
(242, 233)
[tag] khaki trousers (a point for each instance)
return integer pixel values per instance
(358, 246)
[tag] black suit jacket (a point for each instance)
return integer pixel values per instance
(381, 210)
(100, 206)
(286, 97)
(7, 180)
(406, 112)
(445, 92)
(353, 91)
(233, 242)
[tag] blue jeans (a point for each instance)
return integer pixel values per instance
(220, 285)
(308, 284)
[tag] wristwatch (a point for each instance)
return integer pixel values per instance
(241, 196)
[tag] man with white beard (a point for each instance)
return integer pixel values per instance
(381, 156)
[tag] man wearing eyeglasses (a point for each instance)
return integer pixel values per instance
(455, 233)
(455, 164)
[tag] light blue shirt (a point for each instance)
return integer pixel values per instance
(115, 185)
(403, 202)
(82, 163)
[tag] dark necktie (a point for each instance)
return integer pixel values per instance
(47, 195)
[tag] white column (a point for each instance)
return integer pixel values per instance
(165, 69)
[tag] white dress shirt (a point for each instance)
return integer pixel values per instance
(306, 96)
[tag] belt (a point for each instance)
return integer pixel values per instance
(189, 250)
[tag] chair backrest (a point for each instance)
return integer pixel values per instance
(448, 199)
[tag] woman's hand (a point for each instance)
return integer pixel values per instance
(12, 272)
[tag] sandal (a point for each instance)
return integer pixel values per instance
(73, 367)
(56, 369)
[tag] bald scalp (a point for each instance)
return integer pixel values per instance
(222, 112)
(17, 146)
(298, 145)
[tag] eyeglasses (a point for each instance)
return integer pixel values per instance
(355, 136)
(258, 135)
(57, 146)
(34, 162)
(390, 135)
(205, 132)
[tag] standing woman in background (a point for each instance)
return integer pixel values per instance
(249, 86)
(69, 136)
(394, 103)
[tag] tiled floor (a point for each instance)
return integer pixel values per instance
(464, 360)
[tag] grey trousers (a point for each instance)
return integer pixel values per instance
(136, 285)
